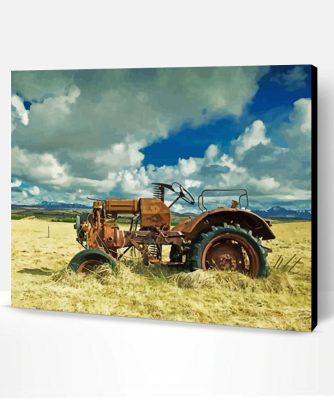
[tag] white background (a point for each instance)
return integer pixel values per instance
(55, 354)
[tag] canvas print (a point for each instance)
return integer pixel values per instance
(184, 194)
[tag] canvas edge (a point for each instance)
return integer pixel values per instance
(314, 197)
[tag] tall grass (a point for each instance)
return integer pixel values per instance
(41, 280)
(129, 271)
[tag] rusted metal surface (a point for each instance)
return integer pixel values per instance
(230, 252)
(154, 213)
(160, 238)
(244, 218)
(89, 265)
(112, 236)
(119, 206)
(97, 204)
(150, 230)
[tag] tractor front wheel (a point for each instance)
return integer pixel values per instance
(89, 259)
(229, 247)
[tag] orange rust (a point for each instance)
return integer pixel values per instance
(126, 206)
(218, 253)
(154, 213)
(97, 204)
(113, 236)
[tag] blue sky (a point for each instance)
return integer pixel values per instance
(112, 132)
(272, 104)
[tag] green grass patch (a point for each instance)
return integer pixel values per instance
(67, 219)
(17, 217)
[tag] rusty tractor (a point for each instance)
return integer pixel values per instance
(225, 238)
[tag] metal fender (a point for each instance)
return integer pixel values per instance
(191, 228)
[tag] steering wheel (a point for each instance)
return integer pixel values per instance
(183, 193)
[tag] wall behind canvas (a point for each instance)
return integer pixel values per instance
(103, 34)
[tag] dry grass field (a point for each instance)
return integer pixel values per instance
(281, 301)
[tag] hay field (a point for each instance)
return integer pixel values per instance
(281, 301)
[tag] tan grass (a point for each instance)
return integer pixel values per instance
(41, 280)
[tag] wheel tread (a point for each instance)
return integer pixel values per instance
(205, 238)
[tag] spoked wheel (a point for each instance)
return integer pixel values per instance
(88, 260)
(229, 247)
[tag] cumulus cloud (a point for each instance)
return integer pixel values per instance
(289, 164)
(251, 137)
(86, 131)
(267, 184)
(188, 166)
(19, 113)
(34, 167)
(33, 191)
(135, 181)
(45, 169)
(88, 127)
(95, 109)
(116, 156)
(222, 172)
(16, 183)
(299, 128)
(192, 183)
(271, 172)
(211, 152)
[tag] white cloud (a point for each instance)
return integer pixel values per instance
(212, 152)
(48, 171)
(192, 183)
(34, 191)
(16, 183)
(226, 172)
(179, 208)
(227, 161)
(300, 121)
(19, 112)
(135, 181)
(43, 168)
(45, 119)
(94, 111)
(117, 156)
(289, 166)
(188, 166)
(266, 184)
(251, 137)
(86, 130)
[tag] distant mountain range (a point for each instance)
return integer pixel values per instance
(281, 212)
(273, 212)
(51, 205)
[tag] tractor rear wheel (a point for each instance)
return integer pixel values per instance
(89, 259)
(229, 247)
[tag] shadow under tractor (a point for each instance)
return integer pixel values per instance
(225, 238)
